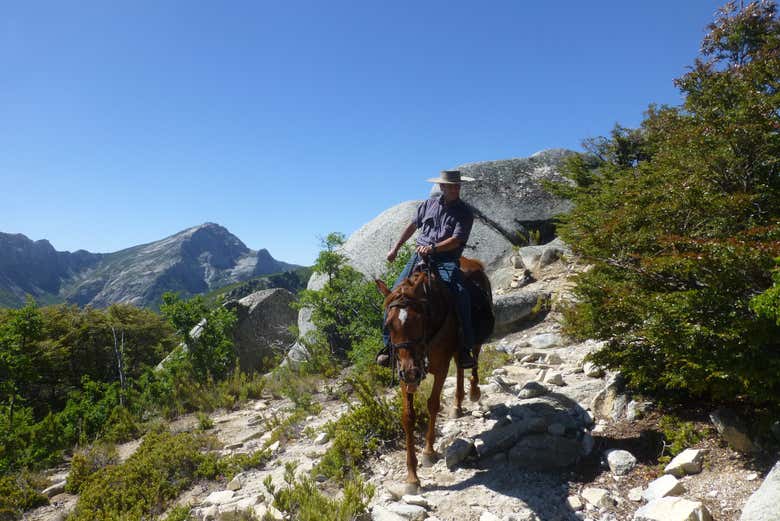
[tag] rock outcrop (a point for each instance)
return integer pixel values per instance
(263, 328)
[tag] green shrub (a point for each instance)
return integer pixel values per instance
(368, 425)
(179, 513)
(86, 462)
(143, 486)
(681, 221)
(204, 421)
(19, 492)
(300, 499)
(679, 435)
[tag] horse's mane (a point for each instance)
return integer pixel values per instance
(410, 288)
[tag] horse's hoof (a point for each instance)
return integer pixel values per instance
(412, 489)
(428, 460)
(475, 394)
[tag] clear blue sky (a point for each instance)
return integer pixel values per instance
(126, 121)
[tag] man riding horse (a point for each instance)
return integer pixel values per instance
(444, 222)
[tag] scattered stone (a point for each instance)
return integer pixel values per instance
(503, 384)
(57, 488)
(673, 509)
(532, 389)
(763, 504)
(610, 403)
(220, 497)
(598, 497)
(732, 430)
(488, 516)
(380, 513)
(620, 462)
(666, 485)
(553, 359)
(236, 483)
(687, 462)
(574, 503)
(460, 449)
(209, 513)
(234, 446)
(554, 379)
(592, 370)
(321, 439)
(752, 476)
(416, 499)
(274, 446)
(530, 358)
(635, 494)
(545, 340)
(396, 490)
(410, 512)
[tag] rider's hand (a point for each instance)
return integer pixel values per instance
(424, 250)
(391, 255)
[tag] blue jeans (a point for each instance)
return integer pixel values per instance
(449, 272)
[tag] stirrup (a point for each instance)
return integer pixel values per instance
(466, 359)
(383, 357)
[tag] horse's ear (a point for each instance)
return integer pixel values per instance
(380, 284)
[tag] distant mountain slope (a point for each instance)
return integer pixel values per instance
(193, 261)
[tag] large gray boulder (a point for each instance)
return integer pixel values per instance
(764, 504)
(509, 195)
(263, 328)
(514, 307)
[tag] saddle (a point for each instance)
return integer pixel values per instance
(482, 318)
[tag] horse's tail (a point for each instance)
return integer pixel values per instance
(483, 319)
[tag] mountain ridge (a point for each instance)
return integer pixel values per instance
(192, 261)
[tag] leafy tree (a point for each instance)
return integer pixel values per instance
(18, 334)
(681, 220)
(211, 351)
(346, 310)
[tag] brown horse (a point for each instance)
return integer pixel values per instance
(424, 335)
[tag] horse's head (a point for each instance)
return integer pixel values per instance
(408, 324)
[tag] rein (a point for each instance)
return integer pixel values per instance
(423, 304)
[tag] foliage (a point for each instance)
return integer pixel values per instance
(370, 423)
(19, 492)
(143, 486)
(346, 311)
(681, 220)
(86, 462)
(679, 435)
(211, 351)
(300, 499)
(178, 513)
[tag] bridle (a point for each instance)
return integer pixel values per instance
(421, 355)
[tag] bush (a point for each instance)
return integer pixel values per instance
(19, 492)
(370, 423)
(86, 462)
(681, 221)
(143, 486)
(300, 499)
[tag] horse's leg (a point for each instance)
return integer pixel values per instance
(457, 410)
(434, 404)
(412, 481)
(474, 392)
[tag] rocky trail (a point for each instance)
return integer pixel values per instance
(552, 439)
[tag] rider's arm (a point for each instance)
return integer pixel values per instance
(408, 232)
